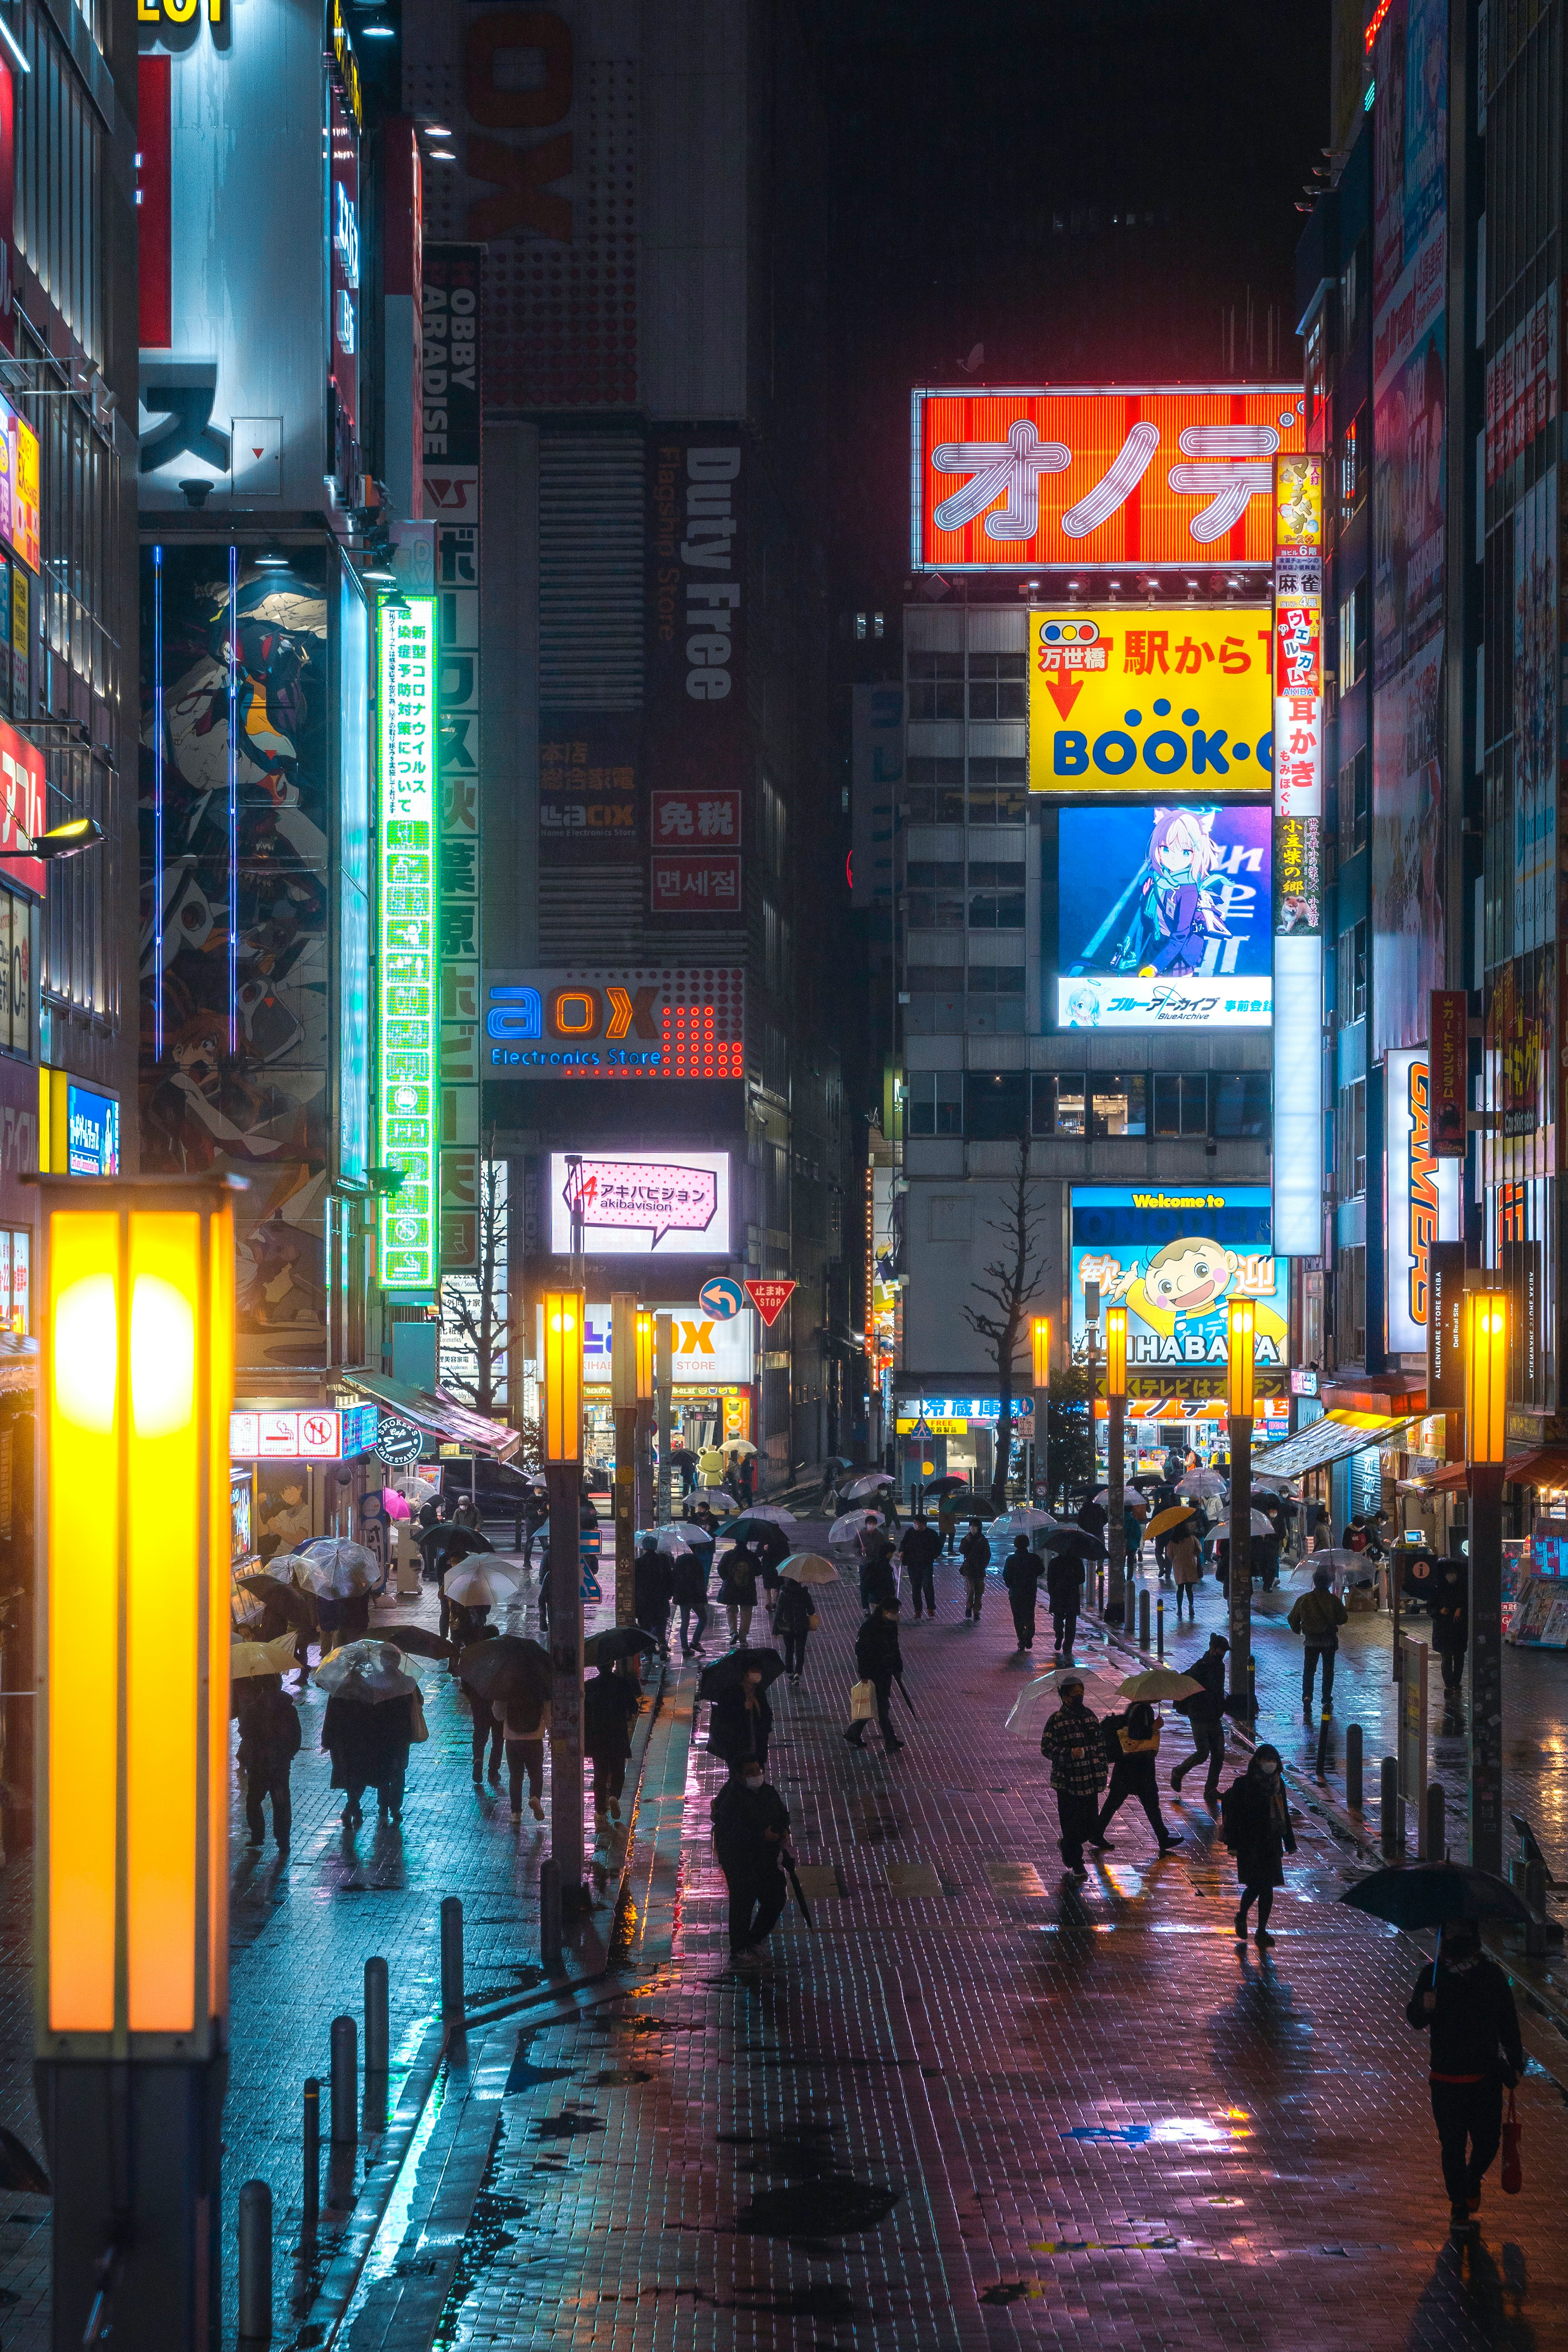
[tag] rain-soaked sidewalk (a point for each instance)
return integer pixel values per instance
(972, 2103)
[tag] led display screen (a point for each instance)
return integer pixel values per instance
(593, 1022)
(1162, 916)
(1174, 1257)
(671, 1204)
(1127, 701)
(407, 718)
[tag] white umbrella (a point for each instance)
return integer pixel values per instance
(739, 1446)
(1337, 1562)
(1199, 1486)
(1024, 1521)
(771, 1511)
(379, 1669)
(868, 1485)
(668, 1539)
(808, 1567)
(419, 1490)
(853, 1526)
(479, 1587)
(1131, 1497)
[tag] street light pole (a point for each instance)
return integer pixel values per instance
(624, 1404)
(644, 1427)
(1040, 1339)
(663, 1404)
(1240, 1399)
(1116, 1609)
(564, 1479)
(1486, 1391)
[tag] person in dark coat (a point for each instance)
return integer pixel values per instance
(1064, 1591)
(919, 1550)
(1133, 1745)
(740, 1721)
(688, 1580)
(466, 1623)
(368, 1740)
(974, 1558)
(543, 1595)
(1205, 1713)
(878, 1577)
(1072, 1739)
(653, 1589)
(1255, 1813)
(793, 1623)
(269, 1743)
(1317, 1616)
(535, 1515)
(738, 1589)
(1021, 1573)
(1451, 1622)
(609, 1711)
(880, 1661)
(750, 1822)
(1464, 2000)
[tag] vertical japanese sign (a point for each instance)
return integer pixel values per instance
(694, 700)
(409, 1071)
(1447, 1088)
(1423, 1200)
(450, 304)
(1298, 654)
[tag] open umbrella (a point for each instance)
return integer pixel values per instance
(509, 1667)
(870, 1484)
(295, 1605)
(729, 1671)
(1131, 1500)
(808, 1567)
(479, 1588)
(446, 1544)
(1434, 1895)
(950, 1484)
(853, 1526)
(1163, 1521)
(420, 1490)
(1024, 1521)
(1336, 1560)
(766, 1515)
(1275, 1484)
(248, 1659)
(1261, 1525)
(616, 1642)
(1073, 1539)
(368, 1670)
(414, 1641)
(394, 1504)
(669, 1539)
(1157, 1683)
(1028, 1718)
(1200, 1486)
(739, 1446)
(335, 1566)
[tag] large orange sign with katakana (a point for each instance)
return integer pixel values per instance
(1135, 698)
(1158, 480)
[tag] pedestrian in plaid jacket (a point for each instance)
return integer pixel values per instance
(1073, 1740)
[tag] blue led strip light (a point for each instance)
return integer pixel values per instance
(406, 937)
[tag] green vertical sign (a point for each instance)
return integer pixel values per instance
(406, 1031)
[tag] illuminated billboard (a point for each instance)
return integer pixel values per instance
(624, 1022)
(668, 1204)
(1162, 916)
(704, 1352)
(1156, 478)
(1174, 1256)
(1423, 1203)
(406, 717)
(1128, 699)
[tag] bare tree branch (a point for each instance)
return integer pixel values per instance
(1012, 1283)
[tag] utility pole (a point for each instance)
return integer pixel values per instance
(1241, 1397)
(624, 1404)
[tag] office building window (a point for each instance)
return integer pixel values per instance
(996, 893)
(1349, 1147)
(1056, 1106)
(1355, 804)
(998, 686)
(1181, 1103)
(998, 791)
(1240, 1103)
(1352, 977)
(936, 686)
(935, 900)
(995, 980)
(1117, 1104)
(995, 1104)
(1350, 1306)
(1354, 617)
(933, 792)
(935, 1105)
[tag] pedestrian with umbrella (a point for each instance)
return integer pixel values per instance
(738, 1589)
(918, 1550)
(1255, 1813)
(1064, 1593)
(653, 1589)
(974, 1558)
(268, 1732)
(795, 1616)
(1021, 1573)
(1073, 1741)
(1451, 1625)
(880, 1661)
(1204, 1711)
(609, 1710)
(508, 1678)
(750, 1822)
(487, 1729)
(1133, 1745)
(878, 1577)
(740, 1720)
(1317, 1616)
(1464, 2000)
(947, 1518)
(688, 1590)
(284, 1609)
(373, 1715)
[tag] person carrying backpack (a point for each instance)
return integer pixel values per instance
(1132, 1745)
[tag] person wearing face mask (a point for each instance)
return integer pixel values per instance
(1073, 1740)
(1256, 1814)
(750, 1825)
(1464, 2001)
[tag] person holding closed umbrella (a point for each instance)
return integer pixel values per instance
(1451, 1625)
(368, 1741)
(918, 1550)
(688, 1576)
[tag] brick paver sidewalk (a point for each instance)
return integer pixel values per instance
(974, 2105)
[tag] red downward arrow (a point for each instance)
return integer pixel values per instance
(1063, 693)
(256, 453)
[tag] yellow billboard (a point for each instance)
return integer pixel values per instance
(1128, 700)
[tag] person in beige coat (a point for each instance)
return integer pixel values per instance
(1186, 1567)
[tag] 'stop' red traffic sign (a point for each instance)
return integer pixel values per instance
(770, 1297)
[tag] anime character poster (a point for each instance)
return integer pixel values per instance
(1174, 1258)
(235, 776)
(1406, 849)
(1163, 917)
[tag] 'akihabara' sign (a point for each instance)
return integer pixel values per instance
(677, 1207)
(1081, 474)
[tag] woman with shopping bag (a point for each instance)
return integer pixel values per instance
(882, 1664)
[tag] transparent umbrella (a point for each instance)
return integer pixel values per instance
(809, 1568)
(336, 1568)
(1200, 1486)
(853, 1526)
(369, 1670)
(771, 1513)
(1131, 1500)
(1022, 1522)
(867, 1485)
(479, 1588)
(1036, 1700)
(248, 1659)
(668, 1539)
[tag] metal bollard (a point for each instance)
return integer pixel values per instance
(550, 1912)
(1144, 1618)
(377, 2032)
(345, 2082)
(312, 2201)
(1437, 1822)
(451, 1960)
(256, 2262)
(1353, 1768)
(1160, 1624)
(1388, 1807)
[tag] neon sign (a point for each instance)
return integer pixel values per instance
(407, 1059)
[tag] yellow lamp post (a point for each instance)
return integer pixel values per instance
(1241, 1395)
(644, 1428)
(132, 1853)
(1486, 1396)
(1040, 1348)
(563, 1315)
(1116, 1607)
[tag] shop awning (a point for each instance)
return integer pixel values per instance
(439, 1416)
(1450, 1480)
(1544, 1465)
(1326, 1440)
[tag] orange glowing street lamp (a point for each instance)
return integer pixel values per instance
(1486, 1374)
(1486, 1413)
(563, 1376)
(1241, 1397)
(1118, 1602)
(1040, 1347)
(564, 1320)
(131, 1854)
(1116, 1353)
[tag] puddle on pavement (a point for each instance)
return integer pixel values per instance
(571, 2123)
(835, 2206)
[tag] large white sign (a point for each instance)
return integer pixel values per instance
(674, 1204)
(1423, 1204)
(706, 1351)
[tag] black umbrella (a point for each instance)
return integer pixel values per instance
(509, 1666)
(1434, 1895)
(1073, 1540)
(616, 1642)
(730, 1672)
(296, 1608)
(947, 1485)
(444, 1545)
(20, 2170)
(416, 1641)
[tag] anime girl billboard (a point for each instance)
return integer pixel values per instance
(1164, 917)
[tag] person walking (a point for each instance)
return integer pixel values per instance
(878, 1579)
(1132, 1745)
(653, 1589)
(269, 1743)
(974, 1558)
(536, 1515)
(688, 1580)
(542, 1594)
(880, 1661)
(609, 1711)
(1451, 1625)
(1255, 1815)
(738, 1589)
(1064, 1591)
(918, 1550)
(368, 1741)
(1317, 1617)
(525, 1725)
(740, 1721)
(1021, 1573)
(1073, 1742)
(947, 1522)
(1205, 1713)
(750, 1822)
(794, 1620)
(1465, 2002)
(1185, 1556)
(488, 1732)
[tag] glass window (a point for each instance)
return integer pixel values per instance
(935, 874)
(996, 910)
(1355, 804)
(935, 1105)
(936, 685)
(996, 978)
(1352, 978)
(919, 805)
(1070, 1118)
(1241, 1104)
(1118, 1103)
(995, 1104)
(937, 911)
(996, 874)
(998, 686)
(1181, 1103)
